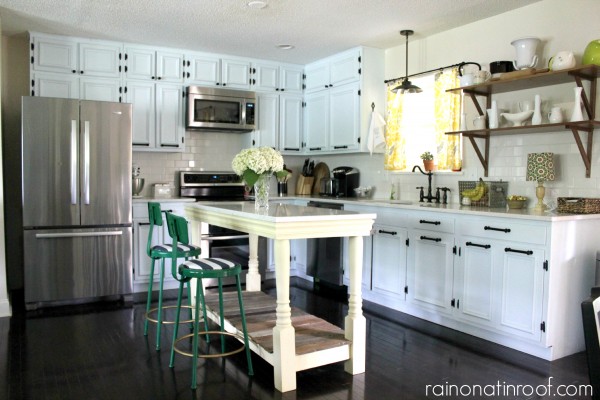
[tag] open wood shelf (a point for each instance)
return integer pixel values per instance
(487, 89)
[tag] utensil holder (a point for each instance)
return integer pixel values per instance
(304, 184)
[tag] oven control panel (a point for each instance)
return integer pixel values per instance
(204, 178)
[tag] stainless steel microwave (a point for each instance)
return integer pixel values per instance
(220, 109)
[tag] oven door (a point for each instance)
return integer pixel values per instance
(229, 244)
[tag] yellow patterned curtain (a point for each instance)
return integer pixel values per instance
(447, 119)
(395, 145)
(447, 108)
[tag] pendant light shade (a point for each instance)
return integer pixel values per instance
(407, 86)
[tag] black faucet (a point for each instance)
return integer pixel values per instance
(429, 196)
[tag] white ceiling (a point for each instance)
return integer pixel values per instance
(317, 28)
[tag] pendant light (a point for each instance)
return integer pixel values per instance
(407, 86)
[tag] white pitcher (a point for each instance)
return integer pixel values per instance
(526, 48)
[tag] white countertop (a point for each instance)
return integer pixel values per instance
(163, 200)
(526, 213)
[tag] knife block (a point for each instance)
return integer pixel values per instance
(304, 184)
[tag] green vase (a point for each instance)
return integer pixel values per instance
(591, 55)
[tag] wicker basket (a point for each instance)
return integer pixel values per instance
(495, 196)
(578, 205)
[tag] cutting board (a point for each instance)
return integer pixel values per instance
(321, 171)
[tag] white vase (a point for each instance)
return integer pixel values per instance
(493, 115)
(261, 192)
(526, 48)
(576, 115)
(537, 111)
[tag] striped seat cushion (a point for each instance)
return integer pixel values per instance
(181, 248)
(209, 264)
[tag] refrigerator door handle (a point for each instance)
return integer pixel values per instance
(73, 161)
(86, 162)
(76, 234)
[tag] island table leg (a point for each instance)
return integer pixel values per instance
(355, 322)
(284, 341)
(253, 276)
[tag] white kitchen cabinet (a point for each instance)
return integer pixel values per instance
(316, 121)
(235, 73)
(273, 77)
(475, 279)
(68, 55)
(147, 63)
(279, 122)
(75, 87)
(333, 71)
(389, 257)
(430, 270)
(212, 70)
(55, 85)
(352, 83)
(157, 122)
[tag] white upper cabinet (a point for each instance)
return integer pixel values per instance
(270, 77)
(290, 123)
(100, 89)
(70, 56)
(147, 63)
(344, 117)
(55, 85)
(211, 70)
(333, 71)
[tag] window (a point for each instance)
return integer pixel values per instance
(417, 122)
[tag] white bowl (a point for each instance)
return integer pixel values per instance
(519, 118)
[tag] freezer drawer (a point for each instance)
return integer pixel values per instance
(68, 264)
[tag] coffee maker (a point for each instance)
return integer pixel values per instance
(345, 180)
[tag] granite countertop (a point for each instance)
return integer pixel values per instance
(526, 213)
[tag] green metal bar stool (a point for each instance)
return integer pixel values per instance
(162, 252)
(198, 269)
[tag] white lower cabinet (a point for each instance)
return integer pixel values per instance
(515, 281)
(430, 270)
(388, 275)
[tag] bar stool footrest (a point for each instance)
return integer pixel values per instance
(226, 354)
(153, 310)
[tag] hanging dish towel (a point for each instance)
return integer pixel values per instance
(376, 131)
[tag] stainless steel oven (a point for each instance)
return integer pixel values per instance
(217, 241)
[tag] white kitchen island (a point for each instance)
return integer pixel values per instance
(283, 222)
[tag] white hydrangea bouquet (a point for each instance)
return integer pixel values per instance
(254, 162)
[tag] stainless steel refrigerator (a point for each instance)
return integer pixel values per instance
(76, 199)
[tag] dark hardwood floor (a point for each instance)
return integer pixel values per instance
(99, 352)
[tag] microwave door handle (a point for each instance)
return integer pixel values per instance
(73, 162)
(243, 113)
(86, 162)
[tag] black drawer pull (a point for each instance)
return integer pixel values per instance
(424, 221)
(291, 149)
(314, 148)
(340, 147)
(484, 246)
(388, 232)
(491, 228)
(432, 239)
(143, 223)
(527, 252)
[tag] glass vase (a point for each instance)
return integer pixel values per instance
(261, 192)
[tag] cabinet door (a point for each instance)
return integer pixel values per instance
(316, 121)
(169, 66)
(345, 68)
(317, 76)
(55, 85)
(54, 55)
(266, 77)
(142, 262)
(142, 95)
(290, 79)
(99, 59)
(206, 70)
(290, 128)
(169, 117)
(235, 74)
(100, 89)
(475, 281)
(267, 133)
(430, 270)
(388, 271)
(521, 296)
(344, 117)
(140, 63)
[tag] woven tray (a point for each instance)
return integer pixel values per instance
(578, 205)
